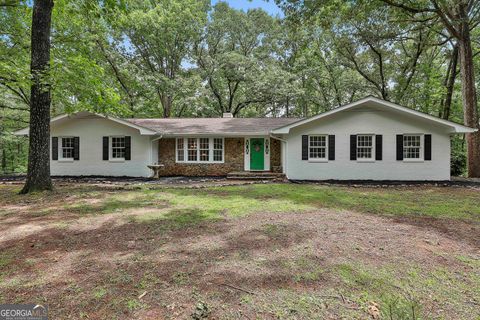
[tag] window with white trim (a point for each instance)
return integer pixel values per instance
(317, 147)
(412, 146)
(217, 149)
(365, 147)
(200, 150)
(118, 147)
(67, 148)
(204, 149)
(192, 149)
(180, 150)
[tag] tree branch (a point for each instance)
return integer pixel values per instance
(454, 32)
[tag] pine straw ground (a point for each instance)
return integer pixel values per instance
(261, 251)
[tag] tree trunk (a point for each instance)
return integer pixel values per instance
(470, 112)
(38, 175)
(4, 160)
(287, 107)
(450, 84)
(167, 102)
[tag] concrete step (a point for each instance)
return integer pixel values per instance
(255, 175)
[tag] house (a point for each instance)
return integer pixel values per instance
(370, 139)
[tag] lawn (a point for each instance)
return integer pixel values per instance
(289, 251)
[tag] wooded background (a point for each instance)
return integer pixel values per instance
(186, 58)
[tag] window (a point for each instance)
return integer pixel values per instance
(317, 147)
(365, 147)
(180, 150)
(199, 150)
(118, 147)
(67, 148)
(192, 149)
(204, 149)
(217, 149)
(412, 147)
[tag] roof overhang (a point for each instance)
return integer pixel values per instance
(454, 127)
(220, 134)
(78, 115)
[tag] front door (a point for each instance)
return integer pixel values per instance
(257, 160)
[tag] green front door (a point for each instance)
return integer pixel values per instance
(256, 154)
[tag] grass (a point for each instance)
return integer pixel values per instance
(99, 293)
(5, 259)
(243, 200)
(175, 255)
(184, 206)
(212, 203)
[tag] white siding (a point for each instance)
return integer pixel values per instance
(368, 121)
(91, 130)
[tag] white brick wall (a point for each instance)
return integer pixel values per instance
(369, 121)
(91, 130)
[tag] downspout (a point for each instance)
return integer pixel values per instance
(277, 138)
(151, 148)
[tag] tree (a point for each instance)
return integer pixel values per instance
(38, 174)
(152, 40)
(458, 18)
(236, 59)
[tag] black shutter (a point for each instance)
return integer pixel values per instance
(304, 147)
(76, 148)
(378, 147)
(353, 147)
(399, 147)
(105, 148)
(54, 148)
(331, 147)
(128, 148)
(428, 147)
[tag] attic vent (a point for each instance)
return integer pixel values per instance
(227, 115)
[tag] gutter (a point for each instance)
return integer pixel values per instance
(277, 138)
(160, 137)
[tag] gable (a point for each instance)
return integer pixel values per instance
(375, 105)
(369, 120)
(67, 119)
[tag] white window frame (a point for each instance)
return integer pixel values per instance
(213, 150)
(197, 150)
(60, 149)
(372, 158)
(177, 149)
(324, 159)
(421, 151)
(110, 149)
(210, 150)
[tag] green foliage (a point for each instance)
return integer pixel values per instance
(458, 162)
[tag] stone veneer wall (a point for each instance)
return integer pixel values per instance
(234, 160)
(275, 155)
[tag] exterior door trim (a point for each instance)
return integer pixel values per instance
(266, 152)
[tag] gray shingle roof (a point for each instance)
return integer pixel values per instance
(210, 126)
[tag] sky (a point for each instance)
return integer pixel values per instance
(268, 6)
